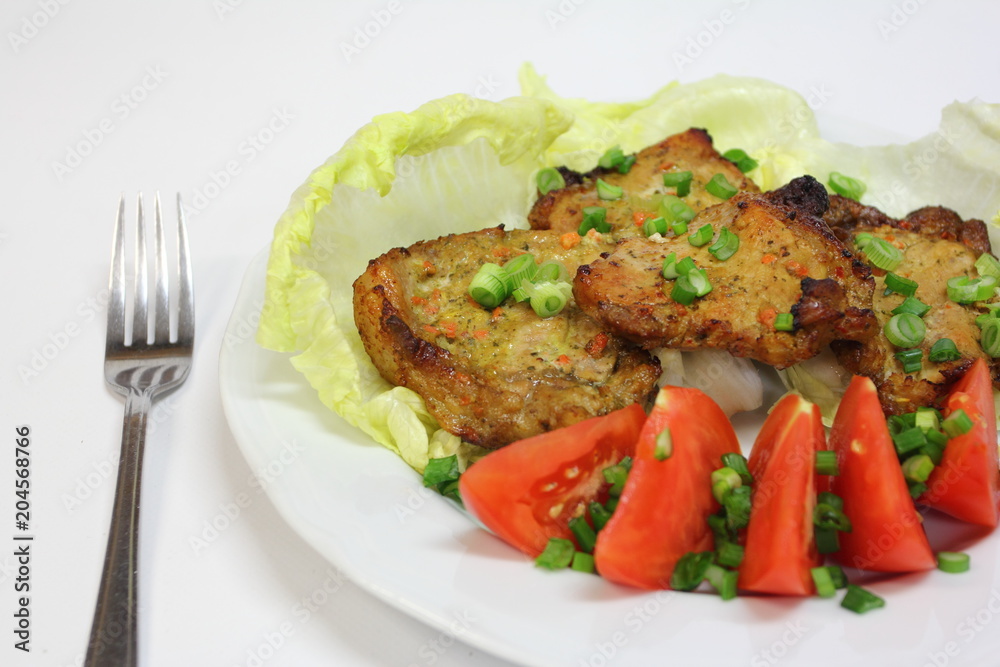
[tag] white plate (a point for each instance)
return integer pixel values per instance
(368, 514)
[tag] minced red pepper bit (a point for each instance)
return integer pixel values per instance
(797, 269)
(569, 240)
(767, 316)
(429, 268)
(480, 334)
(768, 259)
(595, 346)
(562, 359)
(640, 217)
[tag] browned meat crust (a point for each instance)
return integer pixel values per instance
(938, 245)
(788, 261)
(562, 210)
(493, 377)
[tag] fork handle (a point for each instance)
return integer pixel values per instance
(113, 634)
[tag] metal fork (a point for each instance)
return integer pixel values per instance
(140, 368)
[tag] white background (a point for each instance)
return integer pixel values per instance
(100, 98)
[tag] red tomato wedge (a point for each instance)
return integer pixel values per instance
(665, 503)
(780, 548)
(887, 534)
(528, 491)
(965, 484)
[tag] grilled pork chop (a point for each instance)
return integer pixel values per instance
(937, 245)
(788, 262)
(562, 210)
(493, 377)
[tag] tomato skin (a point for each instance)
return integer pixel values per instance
(509, 489)
(965, 484)
(887, 533)
(664, 506)
(780, 548)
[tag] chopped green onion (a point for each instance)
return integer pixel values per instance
(944, 349)
(911, 360)
(827, 540)
(552, 271)
(686, 265)
(846, 186)
(722, 580)
(724, 480)
(737, 506)
(935, 446)
(669, 270)
(584, 534)
(676, 212)
(726, 246)
(831, 499)
(826, 463)
(606, 191)
(860, 601)
(830, 517)
(654, 226)
(489, 286)
(702, 236)
(838, 576)
(664, 445)
(729, 554)
(987, 265)
(909, 440)
(784, 322)
(594, 217)
(615, 476)
(905, 330)
(680, 180)
(720, 531)
(690, 286)
(548, 298)
(962, 289)
(549, 179)
(918, 468)
(912, 305)
(583, 562)
(519, 269)
(557, 555)
(611, 158)
(738, 462)
(599, 515)
(883, 254)
(690, 570)
(953, 562)
(739, 157)
(956, 424)
(824, 582)
(720, 187)
(989, 338)
(900, 285)
(992, 314)
(926, 418)
(862, 240)
(626, 164)
(916, 489)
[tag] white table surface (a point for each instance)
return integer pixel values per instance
(166, 96)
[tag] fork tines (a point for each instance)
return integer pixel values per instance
(149, 318)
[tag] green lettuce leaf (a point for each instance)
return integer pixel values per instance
(461, 164)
